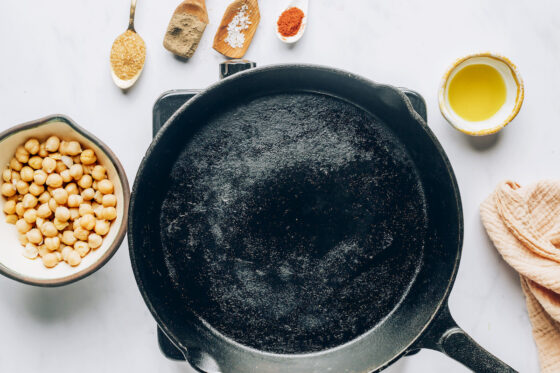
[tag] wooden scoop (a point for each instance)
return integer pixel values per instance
(220, 43)
(186, 28)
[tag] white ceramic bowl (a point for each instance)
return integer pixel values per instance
(514, 95)
(12, 263)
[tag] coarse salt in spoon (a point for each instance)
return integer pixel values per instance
(303, 6)
(128, 55)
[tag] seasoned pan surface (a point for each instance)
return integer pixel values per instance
(293, 222)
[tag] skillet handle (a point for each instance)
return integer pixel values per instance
(446, 336)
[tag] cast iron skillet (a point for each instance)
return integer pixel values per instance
(420, 318)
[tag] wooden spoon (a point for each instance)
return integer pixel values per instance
(186, 28)
(126, 84)
(220, 43)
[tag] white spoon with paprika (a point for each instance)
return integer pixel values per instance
(292, 21)
(128, 55)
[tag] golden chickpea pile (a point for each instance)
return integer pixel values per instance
(59, 199)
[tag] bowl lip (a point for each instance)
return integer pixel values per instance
(126, 197)
(518, 100)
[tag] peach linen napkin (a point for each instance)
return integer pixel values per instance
(524, 225)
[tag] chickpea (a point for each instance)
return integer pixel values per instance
(60, 225)
(52, 144)
(50, 260)
(43, 250)
(44, 197)
(15, 176)
(98, 172)
(66, 176)
(109, 200)
(11, 219)
(30, 216)
(29, 201)
(36, 190)
(22, 155)
(22, 238)
(109, 213)
(73, 148)
(74, 200)
(62, 213)
(22, 226)
(20, 210)
(85, 182)
(102, 227)
(72, 188)
(68, 162)
(40, 177)
(68, 238)
(48, 165)
(58, 256)
(98, 211)
(60, 167)
(54, 180)
(87, 222)
(98, 197)
(10, 207)
(81, 233)
(88, 169)
(76, 159)
(52, 204)
(49, 230)
(74, 214)
(88, 194)
(8, 190)
(76, 171)
(7, 175)
(44, 211)
(43, 151)
(95, 241)
(22, 187)
(74, 259)
(88, 157)
(15, 165)
(26, 174)
(60, 195)
(35, 236)
(52, 243)
(35, 162)
(85, 209)
(65, 251)
(30, 251)
(81, 248)
(63, 148)
(32, 146)
(105, 186)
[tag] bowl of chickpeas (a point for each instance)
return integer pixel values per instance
(64, 198)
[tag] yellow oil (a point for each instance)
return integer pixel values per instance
(477, 92)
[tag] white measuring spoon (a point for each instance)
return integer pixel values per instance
(304, 6)
(126, 84)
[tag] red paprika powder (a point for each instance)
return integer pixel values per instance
(289, 22)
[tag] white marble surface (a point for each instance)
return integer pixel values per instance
(54, 59)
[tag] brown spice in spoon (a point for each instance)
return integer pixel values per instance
(128, 55)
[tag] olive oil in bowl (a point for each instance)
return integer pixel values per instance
(480, 94)
(477, 92)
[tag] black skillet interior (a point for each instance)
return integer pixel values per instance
(382, 117)
(167, 105)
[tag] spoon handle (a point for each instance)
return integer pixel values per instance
(132, 12)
